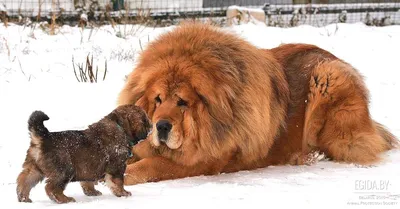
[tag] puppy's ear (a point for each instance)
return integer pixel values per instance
(121, 118)
(114, 116)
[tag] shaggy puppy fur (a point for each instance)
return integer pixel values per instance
(98, 152)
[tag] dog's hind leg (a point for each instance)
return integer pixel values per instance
(55, 189)
(27, 179)
(88, 188)
(337, 120)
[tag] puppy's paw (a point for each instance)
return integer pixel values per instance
(126, 194)
(123, 193)
(70, 199)
(63, 200)
(92, 192)
(88, 188)
(24, 199)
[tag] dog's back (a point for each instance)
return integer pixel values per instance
(42, 137)
(60, 148)
(63, 148)
(75, 153)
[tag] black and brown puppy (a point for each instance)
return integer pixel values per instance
(100, 151)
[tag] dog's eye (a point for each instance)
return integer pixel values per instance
(182, 103)
(158, 99)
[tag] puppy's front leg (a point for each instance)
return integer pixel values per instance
(155, 169)
(55, 190)
(115, 181)
(88, 188)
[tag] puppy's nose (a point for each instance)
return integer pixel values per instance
(163, 127)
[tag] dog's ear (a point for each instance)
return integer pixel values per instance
(130, 94)
(114, 117)
(134, 87)
(121, 119)
(143, 103)
(218, 105)
(219, 92)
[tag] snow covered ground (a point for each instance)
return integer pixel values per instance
(36, 73)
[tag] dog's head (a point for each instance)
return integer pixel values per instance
(133, 120)
(187, 89)
(192, 112)
(188, 105)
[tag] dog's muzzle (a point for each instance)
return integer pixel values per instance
(163, 129)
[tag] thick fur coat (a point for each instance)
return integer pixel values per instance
(99, 152)
(219, 104)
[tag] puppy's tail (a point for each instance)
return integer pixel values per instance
(36, 126)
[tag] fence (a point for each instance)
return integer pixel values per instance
(271, 12)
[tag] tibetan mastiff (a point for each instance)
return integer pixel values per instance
(218, 104)
(99, 152)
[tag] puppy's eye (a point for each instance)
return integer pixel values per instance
(158, 99)
(182, 103)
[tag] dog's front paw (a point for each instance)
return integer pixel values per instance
(314, 157)
(130, 180)
(134, 175)
(92, 192)
(123, 193)
(63, 200)
(24, 199)
(88, 188)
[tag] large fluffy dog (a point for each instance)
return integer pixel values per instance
(219, 104)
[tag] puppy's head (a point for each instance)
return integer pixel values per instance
(133, 120)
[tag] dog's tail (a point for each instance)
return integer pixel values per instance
(36, 126)
(392, 141)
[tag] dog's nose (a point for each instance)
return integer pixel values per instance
(163, 128)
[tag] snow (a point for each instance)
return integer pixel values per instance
(3, 8)
(252, 10)
(84, 17)
(36, 74)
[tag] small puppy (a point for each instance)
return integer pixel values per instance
(98, 152)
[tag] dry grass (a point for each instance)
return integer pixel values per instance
(23, 72)
(8, 48)
(53, 25)
(4, 18)
(86, 72)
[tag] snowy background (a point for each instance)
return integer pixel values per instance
(36, 72)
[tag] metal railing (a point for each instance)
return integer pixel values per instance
(282, 13)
